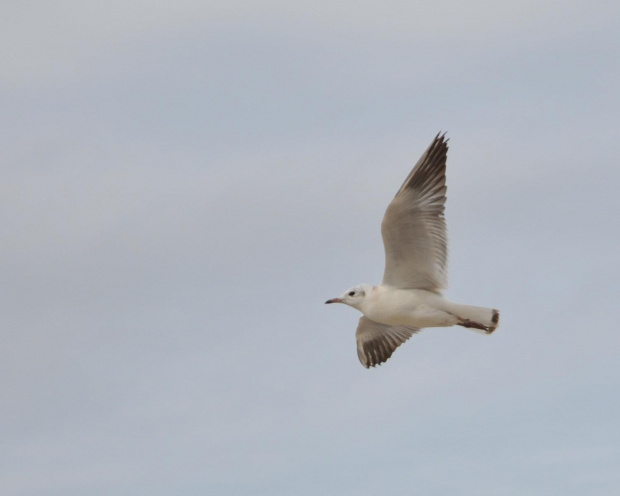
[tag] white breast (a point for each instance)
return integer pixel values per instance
(412, 307)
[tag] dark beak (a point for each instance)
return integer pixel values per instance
(334, 300)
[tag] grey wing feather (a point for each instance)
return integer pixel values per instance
(376, 342)
(414, 227)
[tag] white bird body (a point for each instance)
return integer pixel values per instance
(416, 253)
(416, 308)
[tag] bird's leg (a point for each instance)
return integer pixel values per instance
(475, 325)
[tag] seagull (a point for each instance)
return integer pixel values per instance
(416, 254)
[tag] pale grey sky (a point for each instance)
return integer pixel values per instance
(185, 184)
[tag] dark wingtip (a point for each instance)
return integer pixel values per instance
(442, 136)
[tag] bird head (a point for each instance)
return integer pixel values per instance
(353, 297)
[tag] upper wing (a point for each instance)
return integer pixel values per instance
(376, 342)
(414, 228)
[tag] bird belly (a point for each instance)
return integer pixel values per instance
(416, 308)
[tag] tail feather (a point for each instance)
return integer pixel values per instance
(478, 319)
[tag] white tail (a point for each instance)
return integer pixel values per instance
(478, 319)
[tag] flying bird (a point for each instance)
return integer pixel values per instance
(416, 255)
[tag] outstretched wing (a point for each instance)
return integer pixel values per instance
(376, 342)
(414, 228)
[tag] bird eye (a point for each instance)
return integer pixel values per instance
(351, 293)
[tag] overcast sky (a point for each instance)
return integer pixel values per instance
(185, 183)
